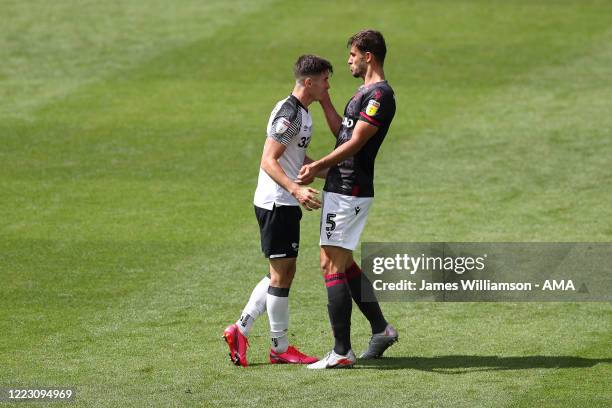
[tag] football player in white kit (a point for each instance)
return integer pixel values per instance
(277, 208)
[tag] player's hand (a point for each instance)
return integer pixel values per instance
(307, 174)
(325, 98)
(307, 197)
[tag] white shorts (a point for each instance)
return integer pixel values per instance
(343, 218)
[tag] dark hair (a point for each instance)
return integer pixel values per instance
(307, 65)
(369, 41)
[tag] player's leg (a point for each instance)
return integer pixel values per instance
(361, 287)
(333, 266)
(236, 335)
(341, 225)
(255, 307)
(342, 222)
(282, 272)
(282, 251)
(383, 334)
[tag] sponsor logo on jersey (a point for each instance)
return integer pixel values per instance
(349, 123)
(372, 107)
(282, 125)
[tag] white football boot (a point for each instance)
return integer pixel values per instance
(333, 360)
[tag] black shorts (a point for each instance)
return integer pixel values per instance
(280, 230)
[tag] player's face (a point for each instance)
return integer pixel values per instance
(357, 62)
(319, 85)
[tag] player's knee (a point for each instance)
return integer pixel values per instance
(281, 281)
(328, 267)
(324, 265)
(287, 279)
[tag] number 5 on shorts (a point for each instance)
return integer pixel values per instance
(331, 222)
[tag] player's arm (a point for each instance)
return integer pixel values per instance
(334, 121)
(362, 133)
(322, 173)
(273, 150)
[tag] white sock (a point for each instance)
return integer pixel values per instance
(254, 307)
(278, 314)
(280, 344)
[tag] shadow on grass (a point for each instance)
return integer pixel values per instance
(465, 364)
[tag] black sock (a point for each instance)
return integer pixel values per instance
(339, 307)
(361, 288)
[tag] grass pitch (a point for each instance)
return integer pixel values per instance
(131, 135)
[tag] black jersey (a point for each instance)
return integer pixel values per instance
(373, 104)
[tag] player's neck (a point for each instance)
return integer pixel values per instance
(300, 93)
(373, 75)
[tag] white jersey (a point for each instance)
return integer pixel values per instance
(290, 124)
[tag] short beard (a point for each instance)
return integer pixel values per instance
(359, 72)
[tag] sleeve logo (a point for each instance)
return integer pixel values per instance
(372, 107)
(281, 126)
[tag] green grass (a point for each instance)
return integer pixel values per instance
(131, 135)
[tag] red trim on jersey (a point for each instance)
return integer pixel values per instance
(355, 191)
(369, 119)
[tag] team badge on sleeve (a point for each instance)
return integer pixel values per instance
(372, 107)
(282, 125)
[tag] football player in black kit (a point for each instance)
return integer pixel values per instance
(348, 195)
